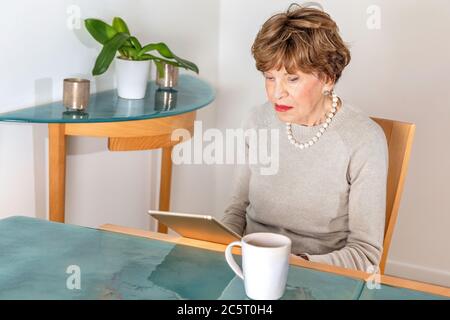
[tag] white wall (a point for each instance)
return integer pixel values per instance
(398, 72)
(38, 52)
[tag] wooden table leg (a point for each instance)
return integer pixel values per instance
(57, 171)
(164, 189)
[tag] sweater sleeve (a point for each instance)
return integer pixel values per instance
(235, 213)
(367, 176)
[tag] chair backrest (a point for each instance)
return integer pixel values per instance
(399, 136)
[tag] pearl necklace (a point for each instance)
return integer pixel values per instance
(310, 143)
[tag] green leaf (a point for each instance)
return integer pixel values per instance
(135, 42)
(147, 56)
(164, 51)
(123, 54)
(160, 68)
(99, 30)
(160, 47)
(187, 64)
(108, 53)
(130, 52)
(120, 26)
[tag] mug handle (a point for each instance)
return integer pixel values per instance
(230, 259)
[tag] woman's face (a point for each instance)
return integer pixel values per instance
(297, 98)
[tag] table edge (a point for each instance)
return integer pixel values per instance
(208, 101)
(359, 275)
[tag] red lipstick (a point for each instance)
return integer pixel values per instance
(282, 108)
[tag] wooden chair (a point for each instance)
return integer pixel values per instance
(399, 136)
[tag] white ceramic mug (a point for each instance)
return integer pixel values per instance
(265, 264)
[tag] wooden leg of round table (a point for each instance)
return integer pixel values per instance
(57, 171)
(164, 189)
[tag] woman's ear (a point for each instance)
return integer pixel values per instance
(328, 85)
(327, 82)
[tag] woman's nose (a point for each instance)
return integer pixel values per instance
(280, 91)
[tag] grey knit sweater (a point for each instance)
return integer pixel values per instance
(329, 199)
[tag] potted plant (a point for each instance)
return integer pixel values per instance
(133, 63)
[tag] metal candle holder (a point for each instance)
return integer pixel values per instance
(76, 94)
(170, 78)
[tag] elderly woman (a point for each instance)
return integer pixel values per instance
(329, 195)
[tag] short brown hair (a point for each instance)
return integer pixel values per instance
(304, 39)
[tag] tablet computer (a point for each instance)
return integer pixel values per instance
(195, 226)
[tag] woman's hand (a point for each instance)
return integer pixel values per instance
(300, 256)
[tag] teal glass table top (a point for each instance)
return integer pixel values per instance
(305, 284)
(39, 260)
(386, 292)
(191, 94)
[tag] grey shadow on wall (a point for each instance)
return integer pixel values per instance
(105, 81)
(84, 145)
(43, 93)
(100, 83)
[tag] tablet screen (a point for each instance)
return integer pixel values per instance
(199, 227)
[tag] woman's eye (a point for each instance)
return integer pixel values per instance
(293, 79)
(269, 78)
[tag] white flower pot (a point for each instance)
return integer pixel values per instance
(132, 77)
